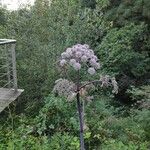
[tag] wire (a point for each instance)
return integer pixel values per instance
(11, 81)
(3, 75)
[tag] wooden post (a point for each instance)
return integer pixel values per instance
(13, 45)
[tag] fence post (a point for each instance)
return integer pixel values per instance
(8, 66)
(13, 45)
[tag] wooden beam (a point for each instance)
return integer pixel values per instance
(7, 96)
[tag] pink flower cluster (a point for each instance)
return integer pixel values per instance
(79, 55)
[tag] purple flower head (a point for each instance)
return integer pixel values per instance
(91, 51)
(88, 55)
(72, 62)
(91, 71)
(84, 58)
(67, 55)
(97, 66)
(94, 57)
(63, 55)
(63, 62)
(69, 51)
(79, 55)
(73, 49)
(77, 66)
(79, 45)
(93, 62)
(86, 46)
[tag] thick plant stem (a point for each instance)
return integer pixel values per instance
(80, 116)
(81, 122)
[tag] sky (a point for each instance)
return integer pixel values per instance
(14, 4)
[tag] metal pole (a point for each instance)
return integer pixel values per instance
(8, 67)
(13, 45)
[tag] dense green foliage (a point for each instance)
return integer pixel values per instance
(123, 51)
(119, 32)
(56, 127)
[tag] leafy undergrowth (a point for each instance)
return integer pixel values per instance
(56, 127)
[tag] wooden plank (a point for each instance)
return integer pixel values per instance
(7, 96)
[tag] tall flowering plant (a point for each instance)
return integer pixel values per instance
(78, 57)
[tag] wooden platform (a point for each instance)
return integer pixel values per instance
(7, 96)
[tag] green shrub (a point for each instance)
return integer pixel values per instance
(57, 115)
(122, 51)
(114, 144)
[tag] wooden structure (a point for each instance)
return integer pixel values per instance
(8, 75)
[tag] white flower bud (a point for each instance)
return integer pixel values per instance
(84, 58)
(72, 62)
(93, 62)
(77, 66)
(78, 54)
(97, 66)
(63, 62)
(91, 71)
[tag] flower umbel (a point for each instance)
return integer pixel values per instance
(80, 55)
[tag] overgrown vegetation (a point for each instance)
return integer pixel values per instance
(118, 32)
